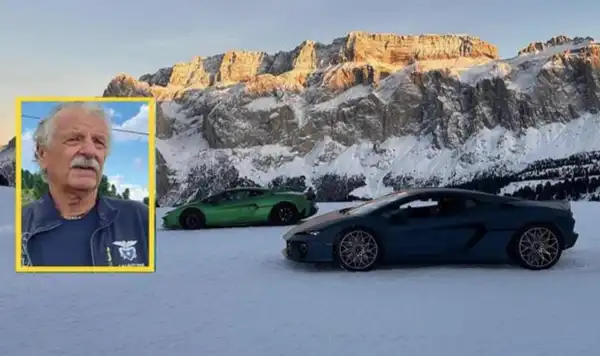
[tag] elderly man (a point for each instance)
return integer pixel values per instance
(72, 225)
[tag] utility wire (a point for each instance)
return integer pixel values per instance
(114, 128)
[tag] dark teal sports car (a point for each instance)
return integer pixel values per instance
(437, 225)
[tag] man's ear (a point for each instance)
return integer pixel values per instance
(40, 155)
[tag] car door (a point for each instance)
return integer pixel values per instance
(211, 208)
(248, 207)
(424, 232)
(235, 208)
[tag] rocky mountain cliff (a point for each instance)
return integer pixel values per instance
(7, 163)
(369, 111)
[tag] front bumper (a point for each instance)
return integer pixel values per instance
(310, 250)
(170, 222)
(295, 250)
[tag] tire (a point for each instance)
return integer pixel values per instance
(192, 219)
(284, 214)
(361, 242)
(537, 247)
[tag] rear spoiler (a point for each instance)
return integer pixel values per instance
(562, 204)
(556, 204)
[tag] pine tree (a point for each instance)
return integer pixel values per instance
(39, 187)
(26, 179)
(104, 187)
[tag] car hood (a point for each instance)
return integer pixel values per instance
(316, 223)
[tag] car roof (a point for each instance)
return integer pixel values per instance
(475, 194)
(239, 189)
(255, 189)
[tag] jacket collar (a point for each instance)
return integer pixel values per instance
(47, 215)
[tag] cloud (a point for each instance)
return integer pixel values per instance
(136, 192)
(112, 113)
(138, 123)
(139, 163)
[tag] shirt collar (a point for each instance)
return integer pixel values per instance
(46, 214)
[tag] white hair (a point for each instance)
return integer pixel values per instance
(44, 133)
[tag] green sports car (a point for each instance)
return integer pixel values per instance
(242, 207)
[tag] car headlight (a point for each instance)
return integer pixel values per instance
(313, 232)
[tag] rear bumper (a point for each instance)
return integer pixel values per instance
(311, 211)
(571, 241)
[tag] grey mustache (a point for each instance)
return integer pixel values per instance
(84, 162)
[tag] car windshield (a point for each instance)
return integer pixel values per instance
(212, 198)
(375, 204)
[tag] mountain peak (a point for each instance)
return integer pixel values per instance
(557, 42)
(386, 51)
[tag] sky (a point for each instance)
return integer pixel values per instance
(75, 47)
(127, 164)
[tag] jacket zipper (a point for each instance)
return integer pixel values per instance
(92, 242)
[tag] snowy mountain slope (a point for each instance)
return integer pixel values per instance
(416, 160)
(436, 109)
(229, 292)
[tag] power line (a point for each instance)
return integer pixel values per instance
(114, 128)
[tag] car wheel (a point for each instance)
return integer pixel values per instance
(191, 219)
(537, 247)
(357, 251)
(284, 214)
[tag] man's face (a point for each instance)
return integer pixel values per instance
(76, 135)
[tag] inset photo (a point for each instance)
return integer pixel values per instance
(85, 185)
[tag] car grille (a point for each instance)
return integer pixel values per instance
(296, 249)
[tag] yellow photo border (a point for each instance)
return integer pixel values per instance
(151, 102)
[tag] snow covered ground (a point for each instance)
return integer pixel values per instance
(229, 292)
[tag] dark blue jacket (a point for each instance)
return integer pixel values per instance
(121, 239)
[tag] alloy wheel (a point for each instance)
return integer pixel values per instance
(285, 214)
(191, 221)
(539, 247)
(358, 250)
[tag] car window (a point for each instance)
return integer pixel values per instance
(214, 199)
(423, 202)
(454, 205)
(374, 204)
(419, 208)
(237, 195)
(437, 206)
(255, 193)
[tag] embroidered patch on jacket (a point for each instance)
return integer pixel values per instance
(127, 249)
